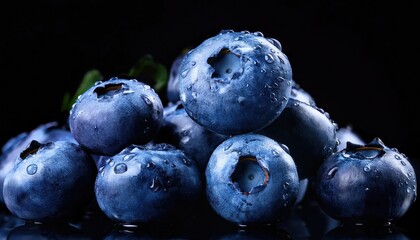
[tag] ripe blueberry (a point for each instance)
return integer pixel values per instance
(143, 184)
(235, 82)
(252, 180)
(114, 114)
(50, 181)
(369, 183)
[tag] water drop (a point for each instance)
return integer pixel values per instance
(193, 63)
(403, 163)
(146, 100)
(120, 168)
(398, 157)
(185, 73)
(128, 157)
(227, 146)
(166, 161)
(155, 186)
(274, 152)
(269, 58)
(367, 189)
(258, 34)
(31, 169)
(150, 165)
(367, 168)
(331, 173)
(186, 161)
(286, 185)
(281, 59)
(241, 99)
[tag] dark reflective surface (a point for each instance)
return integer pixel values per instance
(307, 222)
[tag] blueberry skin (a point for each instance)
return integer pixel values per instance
(184, 133)
(308, 132)
(251, 180)
(50, 181)
(114, 114)
(50, 131)
(235, 82)
(347, 134)
(369, 183)
(144, 184)
(300, 94)
(172, 89)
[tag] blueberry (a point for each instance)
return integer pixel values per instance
(235, 82)
(181, 131)
(172, 89)
(308, 132)
(347, 134)
(113, 114)
(300, 94)
(50, 181)
(252, 180)
(51, 131)
(145, 184)
(369, 183)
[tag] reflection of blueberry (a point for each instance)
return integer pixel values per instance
(368, 183)
(46, 132)
(50, 181)
(308, 132)
(350, 231)
(46, 231)
(148, 184)
(181, 131)
(235, 82)
(114, 114)
(251, 180)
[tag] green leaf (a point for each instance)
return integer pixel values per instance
(88, 80)
(147, 67)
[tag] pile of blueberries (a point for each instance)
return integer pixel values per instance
(237, 133)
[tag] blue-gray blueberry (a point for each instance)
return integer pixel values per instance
(235, 82)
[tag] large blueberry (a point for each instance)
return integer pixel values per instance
(181, 131)
(235, 82)
(251, 179)
(368, 183)
(50, 181)
(114, 114)
(153, 183)
(51, 131)
(308, 132)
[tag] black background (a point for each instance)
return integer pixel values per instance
(356, 58)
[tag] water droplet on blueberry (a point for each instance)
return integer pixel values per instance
(269, 58)
(120, 168)
(31, 169)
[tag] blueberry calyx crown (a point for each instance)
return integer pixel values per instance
(249, 176)
(376, 148)
(33, 147)
(108, 90)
